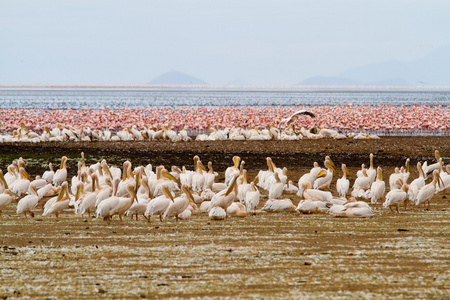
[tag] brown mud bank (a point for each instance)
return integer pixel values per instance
(388, 151)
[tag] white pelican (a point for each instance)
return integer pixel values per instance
(310, 177)
(210, 177)
(61, 174)
(427, 191)
(371, 171)
(217, 213)
(362, 182)
(106, 205)
(427, 169)
(416, 184)
(325, 181)
(263, 176)
(278, 205)
(252, 198)
(48, 175)
(396, 197)
(343, 184)
(378, 187)
(59, 203)
(244, 186)
(6, 198)
(179, 204)
(158, 205)
(312, 207)
(127, 179)
(237, 209)
(198, 179)
(358, 209)
(276, 189)
(290, 188)
(85, 201)
(294, 116)
(228, 197)
(230, 171)
(124, 203)
(21, 185)
(315, 195)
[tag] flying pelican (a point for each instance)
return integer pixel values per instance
(294, 116)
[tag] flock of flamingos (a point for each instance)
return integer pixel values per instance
(185, 123)
(180, 193)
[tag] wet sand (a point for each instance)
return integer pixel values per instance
(273, 255)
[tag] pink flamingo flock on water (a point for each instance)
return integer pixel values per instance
(370, 119)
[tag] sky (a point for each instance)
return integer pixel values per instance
(108, 42)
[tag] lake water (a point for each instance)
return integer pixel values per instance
(60, 98)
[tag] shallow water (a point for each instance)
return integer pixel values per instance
(47, 98)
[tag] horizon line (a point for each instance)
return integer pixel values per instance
(228, 86)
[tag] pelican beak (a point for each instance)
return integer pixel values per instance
(25, 174)
(77, 196)
(236, 161)
(202, 166)
(332, 163)
(346, 171)
(188, 193)
(331, 166)
(167, 193)
(231, 187)
(61, 193)
(255, 181)
(3, 180)
(321, 173)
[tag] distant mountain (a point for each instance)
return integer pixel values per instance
(328, 80)
(174, 77)
(430, 70)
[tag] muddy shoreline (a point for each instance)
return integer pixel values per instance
(388, 151)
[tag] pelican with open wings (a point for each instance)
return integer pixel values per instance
(295, 115)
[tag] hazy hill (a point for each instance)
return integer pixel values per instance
(429, 70)
(174, 77)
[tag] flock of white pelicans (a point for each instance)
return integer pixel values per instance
(180, 193)
(84, 133)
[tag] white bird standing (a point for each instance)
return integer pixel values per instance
(397, 196)
(427, 191)
(378, 187)
(343, 184)
(416, 184)
(325, 181)
(179, 204)
(61, 174)
(252, 198)
(59, 203)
